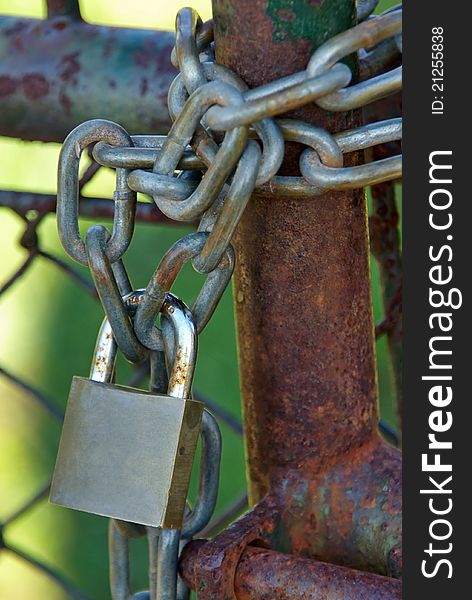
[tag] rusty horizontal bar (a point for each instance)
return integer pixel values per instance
(56, 73)
(263, 574)
(89, 207)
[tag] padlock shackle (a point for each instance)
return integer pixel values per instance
(182, 353)
(104, 355)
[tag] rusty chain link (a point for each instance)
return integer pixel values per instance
(206, 168)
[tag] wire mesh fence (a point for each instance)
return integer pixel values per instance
(32, 209)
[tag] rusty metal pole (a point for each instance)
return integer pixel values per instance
(323, 483)
(302, 286)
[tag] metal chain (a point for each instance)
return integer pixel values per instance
(206, 168)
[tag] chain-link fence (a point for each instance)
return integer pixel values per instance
(32, 209)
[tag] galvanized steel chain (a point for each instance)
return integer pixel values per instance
(224, 142)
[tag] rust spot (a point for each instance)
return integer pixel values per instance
(142, 58)
(69, 67)
(17, 40)
(59, 24)
(18, 43)
(65, 102)
(18, 27)
(108, 47)
(162, 58)
(35, 86)
(287, 15)
(8, 85)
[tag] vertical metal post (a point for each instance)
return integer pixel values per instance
(323, 484)
(302, 286)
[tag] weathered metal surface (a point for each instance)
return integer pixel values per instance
(263, 574)
(58, 72)
(302, 286)
(348, 513)
(324, 485)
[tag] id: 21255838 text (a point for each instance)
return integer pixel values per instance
(437, 70)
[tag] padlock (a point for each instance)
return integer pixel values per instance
(126, 453)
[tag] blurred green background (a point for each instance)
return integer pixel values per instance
(48, 327)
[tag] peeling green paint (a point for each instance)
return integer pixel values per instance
(313, 20)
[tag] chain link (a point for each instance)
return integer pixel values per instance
(206, 169)
(365, 8)
(163, 543)
(68, 191)
(163, 278)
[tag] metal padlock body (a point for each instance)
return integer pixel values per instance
(127, 453)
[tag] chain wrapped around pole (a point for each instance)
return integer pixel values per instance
(226, 141)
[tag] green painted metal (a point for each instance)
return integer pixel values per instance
(314, 21)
